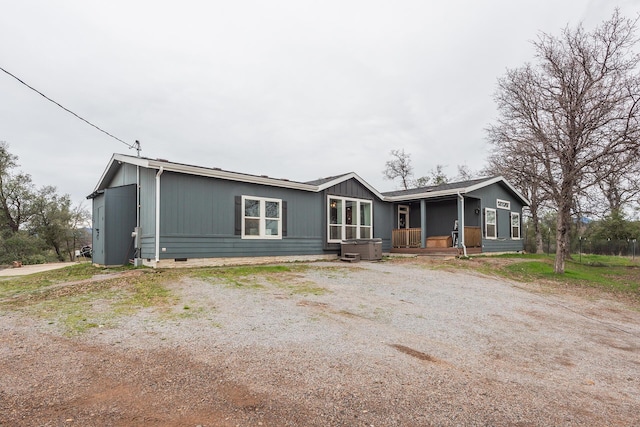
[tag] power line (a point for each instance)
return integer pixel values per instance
(136, 145)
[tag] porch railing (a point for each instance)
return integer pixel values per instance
(410, 237)
(406, 237)
(472, 237)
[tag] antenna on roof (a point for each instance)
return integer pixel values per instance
(137, 147)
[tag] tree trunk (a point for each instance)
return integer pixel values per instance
(562, 230)
(56, 247)
(536, 228)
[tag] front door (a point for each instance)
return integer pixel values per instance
(403, 216)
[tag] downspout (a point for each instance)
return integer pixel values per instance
(461, 224)
(138, 251)
(158, 213)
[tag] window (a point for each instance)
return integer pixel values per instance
(261, 218)
(515, 225)
(490, 229)
(349, 219)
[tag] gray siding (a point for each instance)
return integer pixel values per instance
(471, 218)
(441, 216)
(198, 220)
(504, 242)
(126, 175)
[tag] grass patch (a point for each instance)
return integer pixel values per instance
(249, 277)
(304, 288)
(609, 273)
(82, 297)
(11, 286)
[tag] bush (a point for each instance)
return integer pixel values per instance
(23, 247)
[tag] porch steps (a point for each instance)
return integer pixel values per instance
(350, 257)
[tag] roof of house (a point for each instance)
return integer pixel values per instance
(165, 165)
(321, 181)
(450, 189)
(317, 185)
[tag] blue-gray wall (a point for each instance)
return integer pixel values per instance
(198, 217)
(198, 220)
(504, 242)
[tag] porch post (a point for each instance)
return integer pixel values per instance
(423, 223)
(461, 223)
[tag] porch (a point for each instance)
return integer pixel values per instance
(409, 240)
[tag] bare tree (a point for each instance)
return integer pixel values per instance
(573, 111)
(465, 173)
(399, 167)
(438, 176)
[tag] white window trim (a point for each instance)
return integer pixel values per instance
(495, 224)
(343, 226)
(262, 219)
(511, 216)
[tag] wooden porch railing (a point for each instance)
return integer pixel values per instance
(405, 237)
(410, 237)
(472, 237)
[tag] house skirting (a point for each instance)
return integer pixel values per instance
(219, 262)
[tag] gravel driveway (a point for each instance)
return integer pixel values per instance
(367, 344)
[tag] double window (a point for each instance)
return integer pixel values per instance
(261, 218)
(349, 219)
(491, 224)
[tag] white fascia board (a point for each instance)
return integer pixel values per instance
(118, 158)
(104, 174)
(454, 191)
(229, 176)
(347, 177)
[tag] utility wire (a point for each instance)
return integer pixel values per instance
(136, 146)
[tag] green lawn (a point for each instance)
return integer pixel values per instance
(608, 272)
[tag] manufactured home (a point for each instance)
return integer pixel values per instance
(164, 214)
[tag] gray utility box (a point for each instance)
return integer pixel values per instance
(369, 249)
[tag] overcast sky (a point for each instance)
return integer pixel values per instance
(290, 89)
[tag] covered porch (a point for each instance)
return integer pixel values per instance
(447, 225)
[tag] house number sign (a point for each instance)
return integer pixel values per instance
(503, 204)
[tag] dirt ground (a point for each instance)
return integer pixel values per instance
(331, 344)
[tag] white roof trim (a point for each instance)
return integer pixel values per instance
(454, 191)
(230, 176)
(226, 175)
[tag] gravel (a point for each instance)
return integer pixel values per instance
(368, 344)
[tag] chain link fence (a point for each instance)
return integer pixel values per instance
(613, 247)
